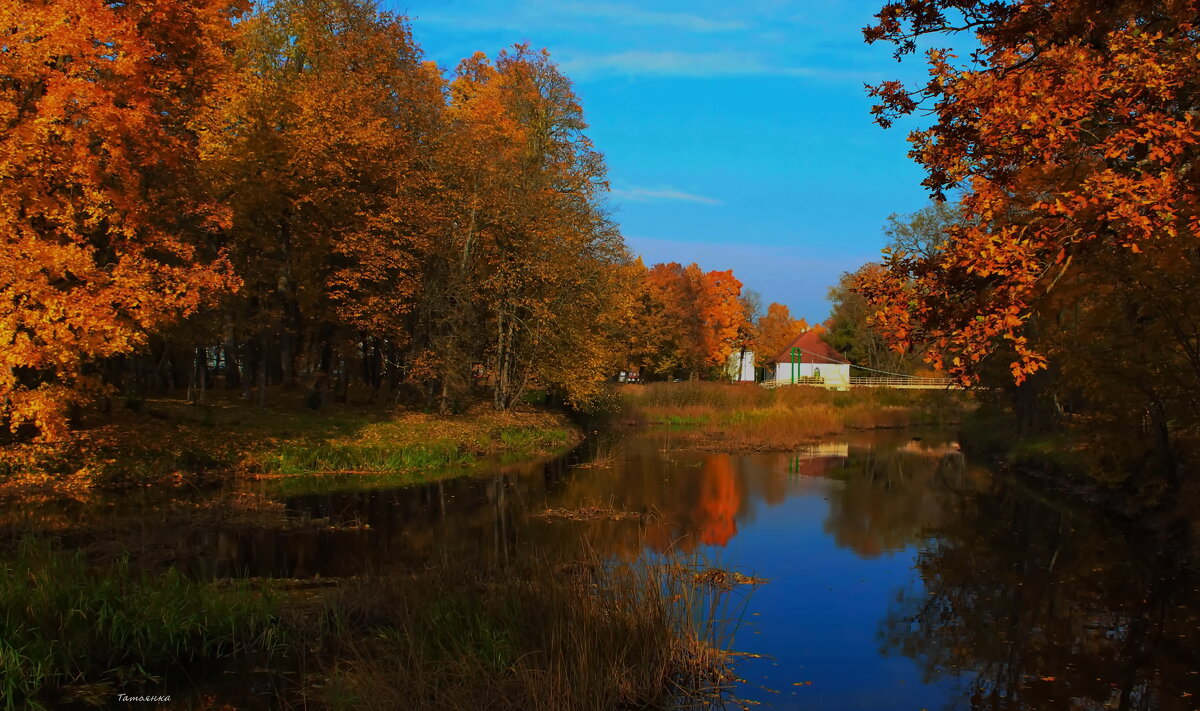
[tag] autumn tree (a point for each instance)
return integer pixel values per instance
(774, 331)
(922, 232)
(852, 330)
(320, 147)
(1073, 133)
(104, 240)
(527, 284)
(689, 320)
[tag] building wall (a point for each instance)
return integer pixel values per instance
(746, 372)
(835, 374)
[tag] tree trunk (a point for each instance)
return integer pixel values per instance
(262, 371)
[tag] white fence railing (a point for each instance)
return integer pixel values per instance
(894, 382)
(865, 382)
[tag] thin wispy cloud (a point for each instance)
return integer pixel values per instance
(533, 16)
(692, 64)
(636, 15)
(660, 194)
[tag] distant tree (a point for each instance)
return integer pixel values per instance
(775, 330)
(688, 320)
(850, 331)
(851, 326)
(921, 232)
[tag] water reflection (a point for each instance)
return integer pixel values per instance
(1040, 608)
(879, 487)
(902, 576)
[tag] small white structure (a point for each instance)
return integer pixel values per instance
(809, 359)
(740, 368)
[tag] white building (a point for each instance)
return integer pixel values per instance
(740, 368)
(813, 360)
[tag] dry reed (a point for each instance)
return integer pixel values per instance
(586, 636)
(748, 417)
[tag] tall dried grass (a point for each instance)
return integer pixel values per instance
(746, 416)
(589, 635)
(69, 630)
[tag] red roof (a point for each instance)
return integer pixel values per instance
(812, 350)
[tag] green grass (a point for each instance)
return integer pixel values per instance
(170, 442)
(66, 624)
(322, 457)
(530, 439)
(681, 421)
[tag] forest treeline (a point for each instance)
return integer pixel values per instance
(202, 194)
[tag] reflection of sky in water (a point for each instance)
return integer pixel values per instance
(818, 616)
(885, 540)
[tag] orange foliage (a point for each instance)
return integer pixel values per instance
(715, 515)
(775, 330)
(689, 319)
(103, 240)
(1077, 140)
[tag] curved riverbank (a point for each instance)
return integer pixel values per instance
(170, 443)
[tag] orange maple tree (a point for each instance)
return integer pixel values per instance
(103, 241)
(774, 331)
(688, 319)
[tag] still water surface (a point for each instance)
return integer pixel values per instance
(901, 576)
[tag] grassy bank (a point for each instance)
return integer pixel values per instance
(72, 632)
(747, 416)
(171, 442)
(1086, 462)
(541, 635)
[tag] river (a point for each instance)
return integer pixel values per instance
(899, 574)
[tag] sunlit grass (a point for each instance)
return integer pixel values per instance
(168, 441)
(295, 459)
(752, 417)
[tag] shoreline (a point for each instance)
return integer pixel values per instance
(169, 444)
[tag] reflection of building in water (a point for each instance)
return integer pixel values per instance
(825, 449)
(818, 459)
(921, 446)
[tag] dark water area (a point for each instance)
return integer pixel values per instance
(900, 574)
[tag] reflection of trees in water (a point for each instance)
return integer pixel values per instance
(717, 506)
(883, 491)
(475, 521)
(688, 498)
(1038, 609)
(890, 496)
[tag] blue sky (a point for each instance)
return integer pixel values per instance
(737, 135)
